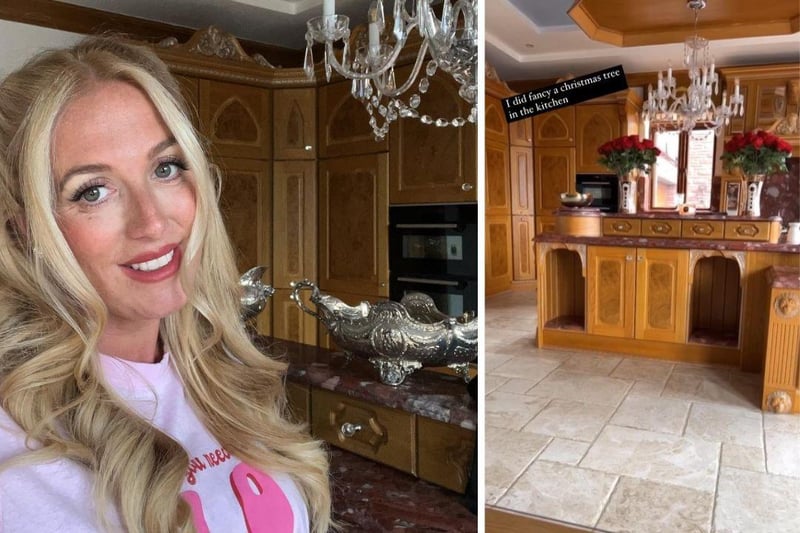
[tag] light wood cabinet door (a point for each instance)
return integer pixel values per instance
(611, 284)
(236, 119)
(498, 260)
(431, 164)
(294, 223)
(498, 194)
(495, 123)
(662, 294)
(295, 124)
(555, 128)
(344, 124)
(554, 173)
(291, 323)
(522, 235)
(520, 132)
(521, 166)
(246, 205)
(353, 224)
(595, 125)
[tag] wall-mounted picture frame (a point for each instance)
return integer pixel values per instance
(731, 195)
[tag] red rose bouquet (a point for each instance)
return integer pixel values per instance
(756, 152)
(624, 154)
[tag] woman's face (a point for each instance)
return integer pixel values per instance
(125, 200)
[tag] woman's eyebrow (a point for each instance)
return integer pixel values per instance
(160, 147)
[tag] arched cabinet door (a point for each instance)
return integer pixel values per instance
(295, 124)
(555, 128)
(344, 124)
(495, 120)
(236, 119)
(596, 125)
(430, 164)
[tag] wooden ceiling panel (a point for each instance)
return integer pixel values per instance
(637, 23)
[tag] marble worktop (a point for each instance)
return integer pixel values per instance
(783, 277)
(652, 242)
(430, 394)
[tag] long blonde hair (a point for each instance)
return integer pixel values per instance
(51, 317)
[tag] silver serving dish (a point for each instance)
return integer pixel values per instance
(397, 338)
(254, 293)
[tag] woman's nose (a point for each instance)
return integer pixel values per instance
(146, 217)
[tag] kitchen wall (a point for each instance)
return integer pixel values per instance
(18, 42)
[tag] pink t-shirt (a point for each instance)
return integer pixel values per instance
(225, 494)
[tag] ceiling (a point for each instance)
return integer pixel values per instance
(537, 39)
(278, 22)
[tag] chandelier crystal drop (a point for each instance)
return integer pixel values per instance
(669, 106)
(451, 39)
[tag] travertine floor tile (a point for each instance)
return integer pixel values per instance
(638, 506)
(643, 370)
(750, 502)
(560, 492)
(526, 367)
(495, 359)
(570, 420)
(665, 415)
(511, 411)
(492, 382)
(784, 423)
(689, 462)
(589, 363)
(565, 451)
(509, 455)
(744, 457)
(722, 423)
(585, 388)
(646, 388)
(783, 453)
(517, 386)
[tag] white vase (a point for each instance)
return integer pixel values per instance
(627, 192)
(752, 206)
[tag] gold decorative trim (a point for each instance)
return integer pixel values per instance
(213, 42)
(787, 305)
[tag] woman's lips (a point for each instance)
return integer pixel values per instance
(156, 269)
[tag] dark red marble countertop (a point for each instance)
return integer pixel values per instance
(430, 394)
(701, 215)
(371, 497)
(643, 242)
(783, 277)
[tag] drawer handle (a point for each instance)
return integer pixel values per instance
(661, 228)
(308, 147)
(348, 430)
(628, 258)
(702, 229)
(748, 230)
(466, 187)
(622, 226)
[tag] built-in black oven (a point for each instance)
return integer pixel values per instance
(434, 249)
(604, 189)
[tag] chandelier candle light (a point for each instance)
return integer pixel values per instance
(755, 154)
(628, 156)
(694, 106)
(452, 41)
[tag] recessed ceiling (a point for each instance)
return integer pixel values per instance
(559, 50)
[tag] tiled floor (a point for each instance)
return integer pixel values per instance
(631, 444)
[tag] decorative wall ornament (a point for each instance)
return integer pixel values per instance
(779, 402)
(213, 42)
(787, 305)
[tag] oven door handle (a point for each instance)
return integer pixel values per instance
(426, 281)
(457, 227)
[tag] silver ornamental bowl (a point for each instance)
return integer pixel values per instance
(254, 293)
(397, 338)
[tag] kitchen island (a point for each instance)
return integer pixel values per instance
(408, 463)
(684, 288)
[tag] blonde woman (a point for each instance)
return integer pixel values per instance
(132, 398)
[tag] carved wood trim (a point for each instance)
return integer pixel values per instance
(546, 247)
(214, 42)
(696, 255)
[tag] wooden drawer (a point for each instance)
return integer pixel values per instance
(445, 453)
(744, 230)
(622, 226)
(299, 398)
(703, 229)
(658, 227)
(378, 433)
(545, 224)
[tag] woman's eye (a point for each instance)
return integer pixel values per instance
(169, 169)
(93, 194)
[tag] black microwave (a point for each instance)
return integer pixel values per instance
(604, 189)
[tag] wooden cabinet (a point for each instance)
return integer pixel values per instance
(429, 164)
(637, 293)
(344, 124)
(246, 205)
(520, 132)
(445, 453)
(661, 228)
(495, 124)
(498, 250)
(190, 89)
(353, 225)
(595, 125)
(521, 166)
(555, 128)
(291, 323)
(498, 194)
(236, 119)
(522, 231)
(294, 224)
(295, 124)
(554, 169)
(299, 400)
(781, 391)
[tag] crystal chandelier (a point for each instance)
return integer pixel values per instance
(694, 106)
(451, 39)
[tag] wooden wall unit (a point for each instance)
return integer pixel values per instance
(499, 257)
(494, 118)
(524, 264)
(781, 391)
(344, 124)
(595, 125)
(295, 124)
(498, 193)
(555, 128)
(554, 169)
